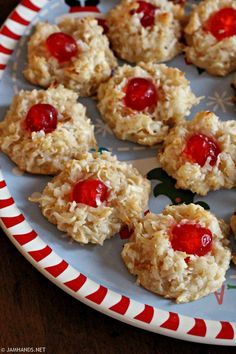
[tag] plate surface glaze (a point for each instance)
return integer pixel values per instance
(96, 275)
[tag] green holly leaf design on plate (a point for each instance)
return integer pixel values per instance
(100, 149)
(200, 70)
(203, 204)
(230, 286)
(167, 188)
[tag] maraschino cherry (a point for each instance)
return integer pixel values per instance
(62, 46)
(148, 13)
(140, 93)
(191, 238)
(91, 192)
(200, 148)
(42, 116)
(222, 24)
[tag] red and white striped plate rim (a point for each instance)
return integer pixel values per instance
(40, 255)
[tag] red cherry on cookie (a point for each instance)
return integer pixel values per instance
(42, 116)
(222, 24)
(62, 46)
(200, 147)
(191, 238)
(140, 93)
(91, 192)
(148, 13)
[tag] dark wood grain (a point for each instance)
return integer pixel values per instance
(34, 312)
(6, 6)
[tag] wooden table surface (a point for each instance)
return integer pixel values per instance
(35, 313)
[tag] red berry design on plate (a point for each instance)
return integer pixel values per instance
(91, 192)
(146, 212)
(199, 148)
(140, 93)
(103, 23)
(62, 46)
(125, 232)
(222, 24)
(42, 116)
(148, 13)
(191, 238)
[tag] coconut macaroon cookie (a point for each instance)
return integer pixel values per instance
(145, 30)
(211, 36)
(181, 253)
(201, 154)
(94, 196)
(233, 227)
(141, 103)
(233, 223)
(74, 53)
(44, 129)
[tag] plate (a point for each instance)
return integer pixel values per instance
(96, 275)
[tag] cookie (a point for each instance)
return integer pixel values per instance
(180, 254)
(141, 103)
(201, 154)
(233, 223)
(234, 87)
(74, 53)
(211, 36)
(233, 228)
(146, 30)
(94, 196)
(43, 130)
